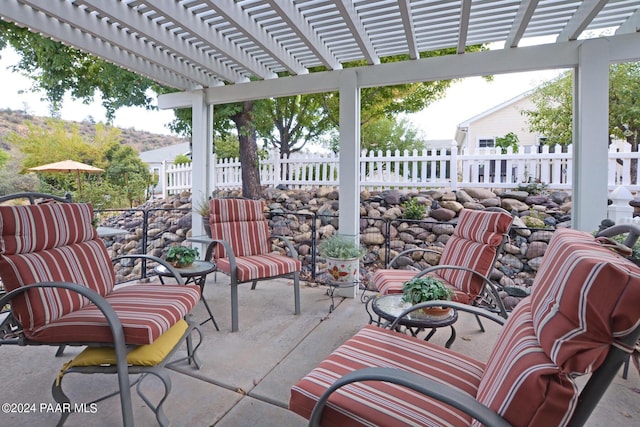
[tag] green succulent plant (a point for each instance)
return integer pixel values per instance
(340, 247)
(181, 256)
(426, 288)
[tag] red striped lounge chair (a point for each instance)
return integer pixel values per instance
(61, 285)
(582, 317)
(465, 263)
(241, 248)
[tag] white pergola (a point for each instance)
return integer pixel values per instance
(221, 51)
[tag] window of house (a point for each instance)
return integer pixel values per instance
(486, 142)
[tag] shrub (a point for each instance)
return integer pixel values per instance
(413, 210)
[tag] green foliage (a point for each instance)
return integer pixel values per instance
(227, 147)
(423, 289)
(340, 247)
(181, 159)
(57, 69)
(4, 158)
(534, 188)
(620, 238)
(509, 140)
(125, 176)
(413, 210)
(203, 207)
(554, 101)
(181, 256)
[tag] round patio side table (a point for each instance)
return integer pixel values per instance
(389, 307)
(195, 273)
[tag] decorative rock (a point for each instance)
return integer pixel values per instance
(520, 227)
(372, 236)
(393, 197)
(541, 235)
(512, 262)
(449, 196)
(480, 193)
(514, 204)
(442, 214)
(474, 206)
(451, 205)
(464, 197)
(534, 263)
(536, 249)
(442, 229)
(491, 202)
(559, 197)
(518, 195)
(393, 213)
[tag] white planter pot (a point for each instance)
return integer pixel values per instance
(344, 274)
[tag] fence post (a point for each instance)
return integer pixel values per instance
(163, 179)
(453, 161)
(620, 210)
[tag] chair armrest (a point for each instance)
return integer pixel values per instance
(117, 331)
(487, 283)
(439, 391)
(456, 305)
(168, 266)
(293, 253)
(632, 229)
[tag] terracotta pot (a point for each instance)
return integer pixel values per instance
(431, 312)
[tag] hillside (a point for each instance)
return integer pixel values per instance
(14, 121)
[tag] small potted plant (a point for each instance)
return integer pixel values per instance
(427, 288)
(181, 256)
(343, 258)
(202, 207)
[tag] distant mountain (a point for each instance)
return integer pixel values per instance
(14, 121)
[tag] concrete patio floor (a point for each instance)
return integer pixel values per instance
(246, 376)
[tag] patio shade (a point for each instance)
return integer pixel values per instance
(68, 166)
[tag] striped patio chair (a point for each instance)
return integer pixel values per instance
(582, 317)
(465, 263)
(60, 283)
(241, 248)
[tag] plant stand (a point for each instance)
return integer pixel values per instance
(344, 277)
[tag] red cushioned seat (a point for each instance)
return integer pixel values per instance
(57, 243)
(246, 254)
(583, 311)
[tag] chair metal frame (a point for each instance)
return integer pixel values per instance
(590, 395)
(233, 273)
(11, 332)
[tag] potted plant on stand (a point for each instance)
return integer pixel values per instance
(343, 261)
(423, 289)
(181, 256)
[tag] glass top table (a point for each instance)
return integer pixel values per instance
(195, 273)
(389, 307)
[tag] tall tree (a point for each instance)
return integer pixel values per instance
(554, 101)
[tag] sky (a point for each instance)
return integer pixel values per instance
(465, 99)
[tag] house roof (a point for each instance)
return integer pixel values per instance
(168, 153)
(194, 44)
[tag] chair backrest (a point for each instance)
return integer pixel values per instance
(51, 242)
(474, 244)
(584, 304)
(241, 222)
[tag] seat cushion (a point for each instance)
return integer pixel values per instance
(241, 222)
(146, 311)
(584, 296)
(390, 281)
(260, 266)
(521, 382)
(384, 403)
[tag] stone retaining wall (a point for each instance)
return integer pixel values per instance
(292, 214)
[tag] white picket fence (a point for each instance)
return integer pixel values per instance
(444, 168)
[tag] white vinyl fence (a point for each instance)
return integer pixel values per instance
(444, 168)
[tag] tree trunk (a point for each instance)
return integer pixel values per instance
(248, 151)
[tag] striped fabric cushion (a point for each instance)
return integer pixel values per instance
(145, 311)
(584, 295)
(389, 281)
(260, 266)
(378, 403)
(34, 228)
(240, 222)
(474, 244)
(520, 381)
(51, 242)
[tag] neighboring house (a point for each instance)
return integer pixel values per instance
(154, 158)
(477, 134)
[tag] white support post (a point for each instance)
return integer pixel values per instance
(349, 186)
(200, 157)
(591, 130)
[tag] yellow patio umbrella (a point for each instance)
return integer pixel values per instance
(68, 166)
